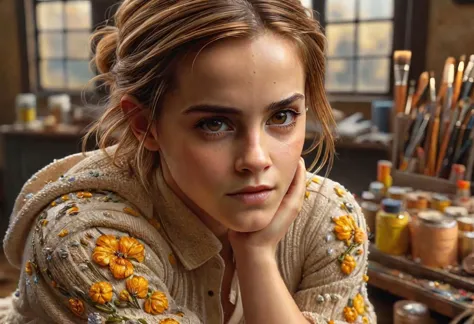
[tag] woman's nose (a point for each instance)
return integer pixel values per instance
(254, 155)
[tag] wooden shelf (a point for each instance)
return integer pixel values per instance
(381, 267)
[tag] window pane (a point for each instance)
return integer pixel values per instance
(51, 45)
(375, 9)
(52, 74)
(339, 10)
(340, 39)
(375, 38)
(78, 15)
(373, 75)
(49, 15)
(78, 45)
(78, 74)
(340, 76)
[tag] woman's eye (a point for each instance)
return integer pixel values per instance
(282, 118)
(214, 125)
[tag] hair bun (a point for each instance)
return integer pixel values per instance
(106, 42)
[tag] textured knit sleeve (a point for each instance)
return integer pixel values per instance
(333, 284)
(93, 258)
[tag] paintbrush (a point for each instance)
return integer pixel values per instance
(458, 81)
(432, 107)
(411, 91)
(467, 85)
(401, 69)
(415, 141)
(434, 142)
(423, 82)
(444, 84)
(464, 136)
(421, 159)
(462, 130)
(448, 97)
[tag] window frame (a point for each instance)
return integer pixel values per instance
(406, 35)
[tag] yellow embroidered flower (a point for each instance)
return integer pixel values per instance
(131, 211)
(83, 194)
(345, 227)
(101, 292)
(316, 180)
(171, 259)
(65, 198)
(63, 233)
(331, 322)
(29, 268)
(53, 204)
(365, 320)
(365, 278)
(359, 252)
(137, 286)
(44, 222)
(169, 321)
(359, 304)
(359, 236)
(124, 295)
(306, 195)
(350, 314)
(339, 191)
(76, 306)
(117, 253)
(156, 304)
(348, 264)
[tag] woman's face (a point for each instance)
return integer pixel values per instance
(232, 131)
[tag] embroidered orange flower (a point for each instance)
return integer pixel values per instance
(101, 292)
(316, 180)
(171, 259)
(331, 322)
(137, 286)
(63, 233)
(365, 278)
(359, 252)
(350, 314)
(73, 211)
(306, 195)
(65, 198)
(29, 268)
(116, 254)
(359, 236)
(169, 321)
(348, 264)
(359, 304)
(155, 223)
(156, 304)
(124, 296)
(365, 320)
(44, 222)
(345, 227)
(131, 211)
(76, 306)
(84, 194)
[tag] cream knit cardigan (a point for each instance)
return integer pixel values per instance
(93, 247)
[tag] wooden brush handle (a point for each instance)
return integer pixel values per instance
(433, 147)
(400, 98)
(442, 151)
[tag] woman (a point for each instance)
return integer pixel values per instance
(203, 211)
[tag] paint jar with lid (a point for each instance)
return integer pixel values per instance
(440, 202)
(392, 233)
(455, 212)
(396, 193)
(25, 108)
(463, 192)
(377, 189)
(435, 239)
(60, 107)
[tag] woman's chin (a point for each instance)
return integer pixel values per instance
(251, 223)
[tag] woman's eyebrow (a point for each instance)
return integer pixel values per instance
(218, 109)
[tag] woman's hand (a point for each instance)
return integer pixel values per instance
(266, 240)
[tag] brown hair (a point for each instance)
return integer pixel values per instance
(139, 54)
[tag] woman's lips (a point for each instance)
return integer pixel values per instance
(252, 198)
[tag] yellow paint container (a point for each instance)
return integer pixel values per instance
(392, 232)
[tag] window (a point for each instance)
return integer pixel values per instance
(362, 35)
(62, 31)
(360, 38)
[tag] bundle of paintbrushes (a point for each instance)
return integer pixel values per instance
(437, 135)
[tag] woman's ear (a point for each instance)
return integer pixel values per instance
(138, 118)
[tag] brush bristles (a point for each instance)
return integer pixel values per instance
(449, 61)
(402, 57)
(450, 77)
